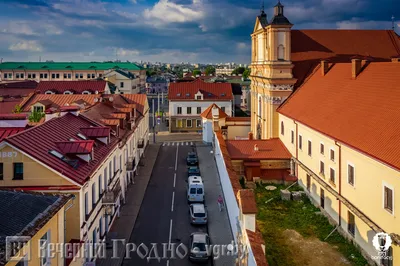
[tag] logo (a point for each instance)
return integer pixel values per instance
(382, 242)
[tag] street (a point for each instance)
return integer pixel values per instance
(164, 214)
(159, 127)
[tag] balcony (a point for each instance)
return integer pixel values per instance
(110, 197)
(141, 143)
(130, 166)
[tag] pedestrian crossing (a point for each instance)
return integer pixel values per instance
(178, 143)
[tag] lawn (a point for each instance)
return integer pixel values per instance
(277, 217)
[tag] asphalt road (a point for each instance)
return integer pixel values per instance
(164, 214)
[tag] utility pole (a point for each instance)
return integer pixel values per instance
(158, 104)
(162, 97)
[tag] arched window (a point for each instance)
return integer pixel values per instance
(48, 92)
(259, 106)
(282, 128)
(86, 92)
(67, 92)
(281, 52)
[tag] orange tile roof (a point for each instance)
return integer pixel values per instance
(57, 100)
(208, 112)
(363, 113)
(267, 149)
(118, 115)
(110, 122)
(256, 240)
(211, 91)
(247, 199)
(308, 47)
(138, 99)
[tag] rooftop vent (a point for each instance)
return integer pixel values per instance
(209, 94)
(82, 136)
(187, 94)
(255, 147)
(222, 94)
(178, 94)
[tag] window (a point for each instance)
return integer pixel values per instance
(179, 110)
(309, 148)
(223, 108)
(38, 109)
(53, 76)
(101, 226)
(300, 142)
(120, 162)
(321, 148)
(322, 198)
(18, 171)
(105, 179)
(17, 75)
(76, 75)
(22, 75)
(198, 123)
(198, 110)
(198, 97)
(86, 203)
(281, 52)
(332, 155)
(179, 123)
(41, 75)
(115, 164)
(57, 75)
(350, 174)
(69, 75)
(81, 76)
(189, 110)
(189, 123)
(44, 254)
(93, 76)
(322, 168)
(121, 84)
(308, 182)
(29, 75)
(282, 129)
(5, 75)
(292, 137)
(65, 75)
(88, 76)
(94, 241)
(100, 186)
(388, 199)
(1, 171)
(45, 75)
(94, 195)
(332, 175)
(351, 224)
(109, 172)
(33, 75)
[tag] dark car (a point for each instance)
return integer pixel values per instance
(193, 171)
(191, 159)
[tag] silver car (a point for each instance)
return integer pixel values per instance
(200, 250)
(198, 213)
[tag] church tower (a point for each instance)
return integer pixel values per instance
(271, 71)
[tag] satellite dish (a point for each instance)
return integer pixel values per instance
(111, 99)
(96, 100)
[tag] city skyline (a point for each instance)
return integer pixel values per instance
(172, 31)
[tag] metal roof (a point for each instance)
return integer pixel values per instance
(68, 66)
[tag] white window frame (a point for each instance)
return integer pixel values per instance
(177, 112)
(354, 174)
(49, 92)
(322, 143)
(47, 257)
(68, 92)
(86, 92)
(191, 123)
(385, 184)
(334, 154)
(198, 124)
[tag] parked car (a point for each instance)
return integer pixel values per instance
(195, 189)
(198, 213)
(193, 171)
(198, 247)
(192, 159)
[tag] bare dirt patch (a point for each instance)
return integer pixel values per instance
(312, 251)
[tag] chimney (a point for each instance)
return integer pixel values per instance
(251, 136)
(355, 67)
(255, 147)
(396, 59)
(324, 67)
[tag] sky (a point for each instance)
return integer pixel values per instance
(170, 31)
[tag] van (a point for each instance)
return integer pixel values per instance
(195, 189)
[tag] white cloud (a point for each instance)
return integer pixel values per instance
(241, 45)
(169, 12)
(127, 52)
(359, 24)
(32, 46)
(133, 1)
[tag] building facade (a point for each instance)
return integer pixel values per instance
(124, 81)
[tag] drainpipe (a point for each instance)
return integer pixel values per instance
(297, 145)
(340, 180)
(65, 228)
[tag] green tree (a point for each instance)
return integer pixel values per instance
(210, 70)
(17, 109)
(196, 72)
(36, 116)
(238, 71)
(246, 73)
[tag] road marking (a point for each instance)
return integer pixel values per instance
(176, 158)
(173, 143)
(163, 144)
(191, 143)
(167, 262)
(174, 179)
(173, 199)
(181, 143)
(169, 143)
(170, 234)
(187, 143)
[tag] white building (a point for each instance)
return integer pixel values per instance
(124, 81)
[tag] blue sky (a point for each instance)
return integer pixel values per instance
(204, 31)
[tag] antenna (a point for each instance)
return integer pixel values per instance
(262, 6)
(392, 22)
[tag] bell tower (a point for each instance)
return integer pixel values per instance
(271, 71)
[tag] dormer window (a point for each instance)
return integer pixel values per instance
(198, 97)
(82, 136)
(222, 94)
(67, 92)
(178, 94)
(57, 154)
(209, 94)
(187, 94)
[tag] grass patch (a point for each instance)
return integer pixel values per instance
(277, 215)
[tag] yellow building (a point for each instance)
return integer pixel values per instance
(346, 149)
(34, 231)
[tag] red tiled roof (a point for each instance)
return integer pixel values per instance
(13, 116)
(139, 100)
(118, 115)
(350, 110)
(28, 84)
(110, 122)
(247, 199)
(69, 108)
(208, 112)
(210, 91)
(310, 46)
(267, 149)
(39, 140)
(256, 240)
(41, 188)
(57, 100)
(96, 132)
(7, 106)
(9, 131)
(76, 146)
(79, 86)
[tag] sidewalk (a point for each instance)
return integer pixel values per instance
(219, 227)
(123, 225)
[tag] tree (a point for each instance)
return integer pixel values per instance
(238, 71)
(36, 116)
(210, 70)
(17, 109)
(246, 73)
(196, 72)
